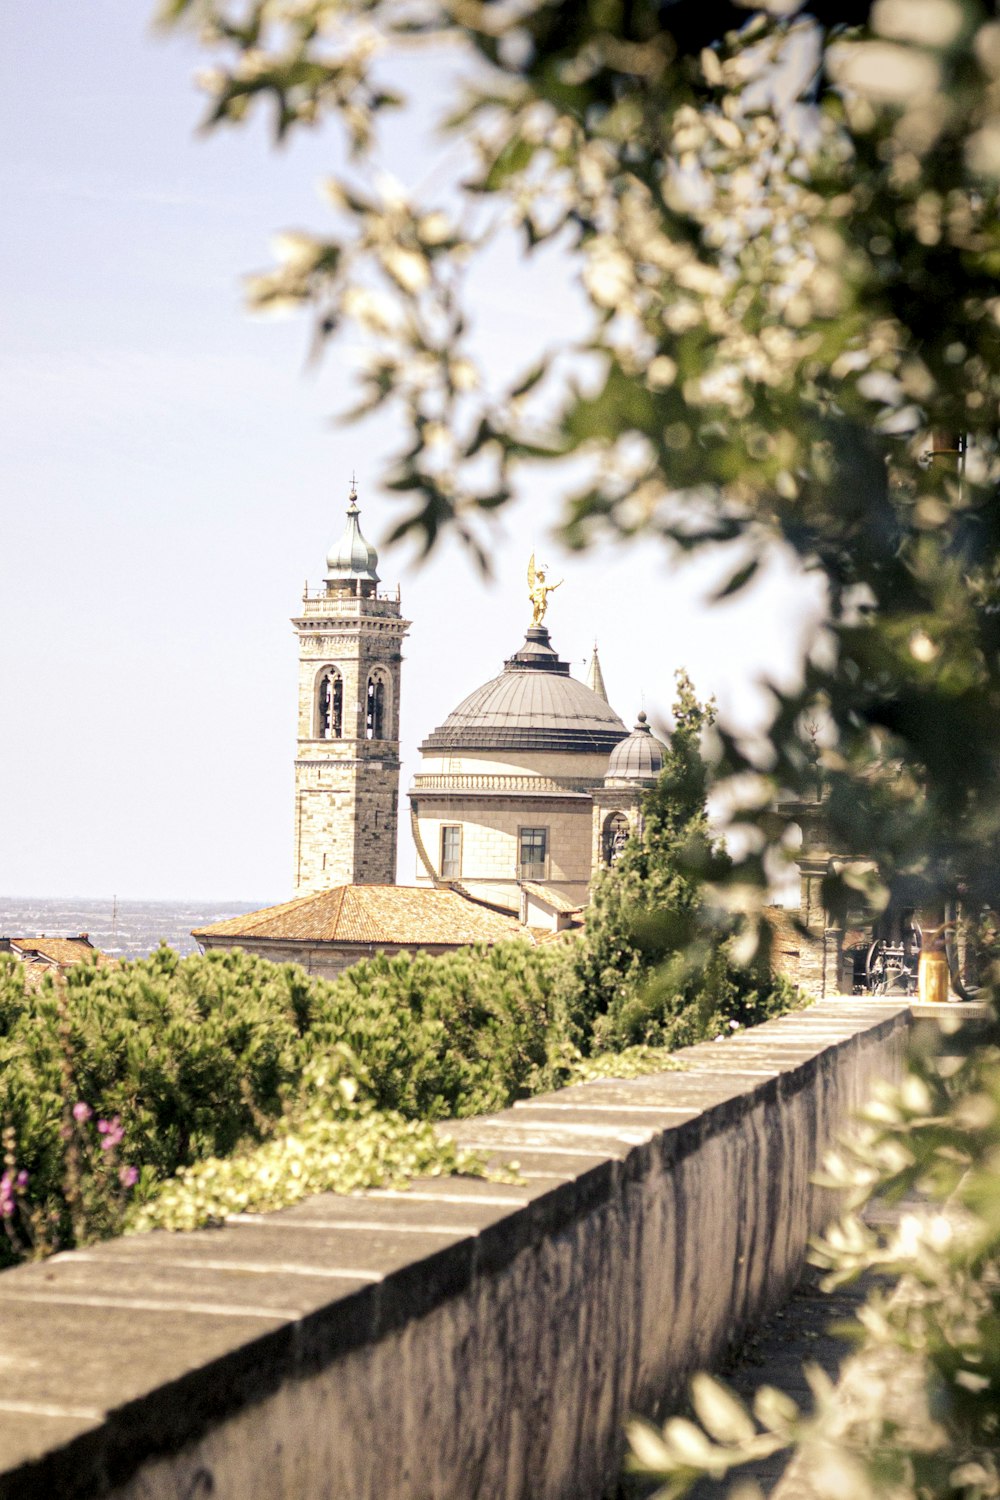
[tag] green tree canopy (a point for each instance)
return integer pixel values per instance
(655, 964)
(643, 908)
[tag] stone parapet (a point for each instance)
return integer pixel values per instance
(465, 1338)
(320, 603)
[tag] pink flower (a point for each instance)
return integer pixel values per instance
(7, 1195)
(112, 1132)
(128, 1176)
(82, 1112)
(22, 1179)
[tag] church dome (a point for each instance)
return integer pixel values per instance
(533, 705)
(639, 757)
(352, 556)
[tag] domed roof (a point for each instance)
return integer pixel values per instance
(639, 757)
(352, 556)
(533, 705)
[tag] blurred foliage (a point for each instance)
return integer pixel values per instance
(785, 226)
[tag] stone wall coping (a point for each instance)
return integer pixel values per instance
(958, 1011)
(135, 1347)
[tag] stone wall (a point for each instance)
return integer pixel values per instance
(490, 832)
(323, 960)
(463, 1339)
(809, 957)
(569, 766)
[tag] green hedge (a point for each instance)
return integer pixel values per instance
(173, 1062)
(198, 1057)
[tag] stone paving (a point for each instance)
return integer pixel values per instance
(805, 1331)
(775, 1354)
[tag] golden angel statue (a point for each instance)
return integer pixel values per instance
(539, 591)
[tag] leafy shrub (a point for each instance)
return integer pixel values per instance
(336, 1142)
(206, 1056)
(634, 1062)
(457, 1035)
(329, 1151)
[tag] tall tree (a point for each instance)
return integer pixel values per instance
(652, 967)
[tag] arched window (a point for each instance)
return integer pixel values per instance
(376, 716)
(616, 831)
(330, 705)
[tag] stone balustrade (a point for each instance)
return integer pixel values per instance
(457, 781)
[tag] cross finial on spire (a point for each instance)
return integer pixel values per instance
(352, 557)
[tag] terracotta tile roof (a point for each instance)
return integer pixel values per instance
(56, 950)
(409, 916)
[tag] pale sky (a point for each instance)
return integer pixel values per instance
(169, 477)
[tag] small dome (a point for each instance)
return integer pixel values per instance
(352, 557)
(533, 705)
(637, 758)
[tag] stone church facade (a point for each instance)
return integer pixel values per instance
(503, 795)
(529, 786)
(533, 780)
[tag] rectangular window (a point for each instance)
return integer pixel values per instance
(534, 849)
(451, 851)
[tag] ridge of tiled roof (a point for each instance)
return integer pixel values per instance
(55, 950)
(393, 914)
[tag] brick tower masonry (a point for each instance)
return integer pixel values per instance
(347, 765)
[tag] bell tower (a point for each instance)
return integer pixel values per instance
(347, 762)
